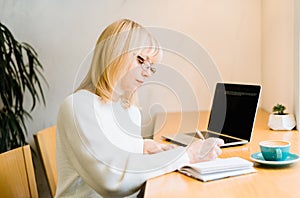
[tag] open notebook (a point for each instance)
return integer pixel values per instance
(218, 169)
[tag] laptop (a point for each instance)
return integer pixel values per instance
(231, 118)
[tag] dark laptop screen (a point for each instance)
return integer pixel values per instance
(233, 109)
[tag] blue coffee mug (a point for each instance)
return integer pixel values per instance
(275, 150)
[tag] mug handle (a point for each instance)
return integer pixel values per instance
(278, 154)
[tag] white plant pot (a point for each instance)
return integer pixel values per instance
(282, 122)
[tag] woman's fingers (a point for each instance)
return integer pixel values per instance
(208, 149)
(151, 147)
(166, 147)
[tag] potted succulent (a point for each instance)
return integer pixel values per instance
(279, 120)
(20, 74)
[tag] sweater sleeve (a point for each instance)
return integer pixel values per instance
(108, 169)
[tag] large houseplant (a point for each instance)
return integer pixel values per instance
(20, 74)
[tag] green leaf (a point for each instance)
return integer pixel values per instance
(20, 73)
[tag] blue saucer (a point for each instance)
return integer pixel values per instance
(258, 157)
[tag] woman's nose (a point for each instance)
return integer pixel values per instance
(146, 73)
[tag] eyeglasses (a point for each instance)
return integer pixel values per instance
(146, 66)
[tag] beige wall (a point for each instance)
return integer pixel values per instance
(297, 59)
(250, 41)
(64, 33)
(278, 78)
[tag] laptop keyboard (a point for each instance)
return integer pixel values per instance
(228, 139)
(208, 135)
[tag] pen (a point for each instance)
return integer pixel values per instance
(200, 134)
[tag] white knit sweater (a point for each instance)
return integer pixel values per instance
(100, 149)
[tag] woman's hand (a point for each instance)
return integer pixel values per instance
(151, 147)
(204, 150)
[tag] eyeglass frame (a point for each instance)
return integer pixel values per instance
(146, 66)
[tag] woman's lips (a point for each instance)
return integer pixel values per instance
(140, 81)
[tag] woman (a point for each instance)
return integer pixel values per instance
(100, 151)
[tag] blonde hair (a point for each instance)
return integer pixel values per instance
(113, 55)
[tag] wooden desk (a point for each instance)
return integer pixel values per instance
(267, 182)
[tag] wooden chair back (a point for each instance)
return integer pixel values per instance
(45, 141)
(17, 178)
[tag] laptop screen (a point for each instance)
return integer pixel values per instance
(233, 110)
